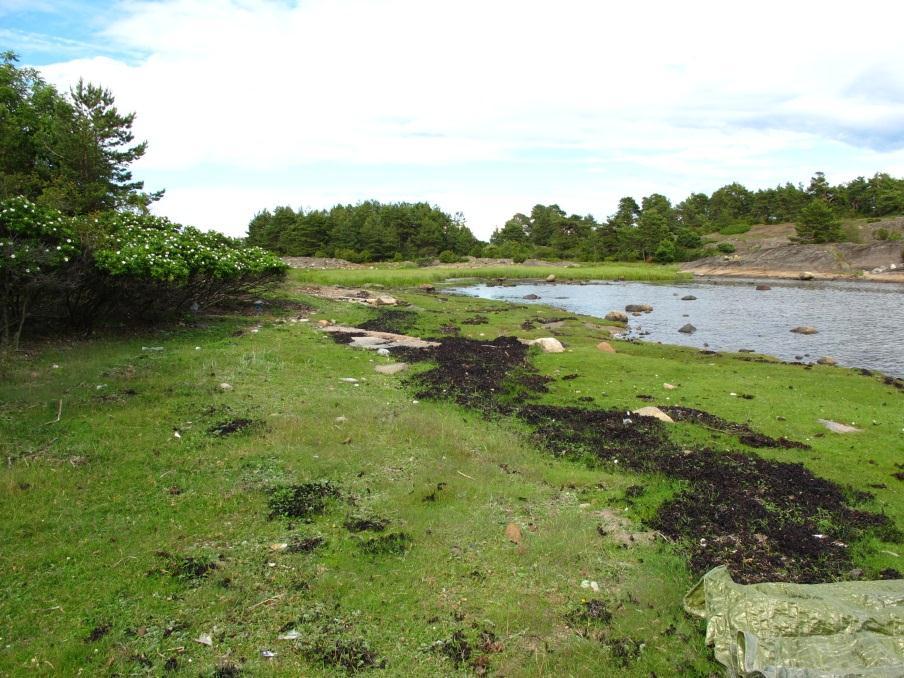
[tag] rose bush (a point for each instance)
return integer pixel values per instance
(117, 266)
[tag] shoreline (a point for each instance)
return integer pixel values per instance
(629, 332)
(780, 274)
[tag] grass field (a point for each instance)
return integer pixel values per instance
(137, 523)
(392, 277)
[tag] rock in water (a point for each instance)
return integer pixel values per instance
(656, 413)
(638, 308)
(617, 317)
(548, 344)
(605, 347)
(763, 288)
(826, 360)
(804, 329)
(530, 297)
(687, 329)
(689, 297)
(392, 368)
(427, 287)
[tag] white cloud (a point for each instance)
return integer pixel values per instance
(657, 94)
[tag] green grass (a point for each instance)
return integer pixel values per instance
(112, 522)
(734, 229)
(393, 277)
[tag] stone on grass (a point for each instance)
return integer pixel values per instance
(605, 347)
(392, 368)
(617, 317)
(548, 344)
(225, 387)
(656, 413)
(551, 277)
(836, 427)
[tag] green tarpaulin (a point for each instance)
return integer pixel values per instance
(803, 630)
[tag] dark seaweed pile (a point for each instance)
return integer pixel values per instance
(390, 320)
(767, 520)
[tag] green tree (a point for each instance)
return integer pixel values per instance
(730, 204)
(818, 224)
(693, 211)
(514, 230)
(544, 221)
(69, 152)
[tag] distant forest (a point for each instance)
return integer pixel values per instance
(654, 229)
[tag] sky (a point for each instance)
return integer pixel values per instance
(480, 107)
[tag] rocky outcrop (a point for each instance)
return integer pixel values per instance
(871, 261)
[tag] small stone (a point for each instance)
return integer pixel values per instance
(656, 413)
(349, 380)
(551, 277)
(392, 368)
(427, 287)
(826, 360)
(836, 427)
(669, 387)
(763, 288)
(617, 317)
(639, 308)
(805, 275)
(689, 297)
(548, 344)
(804, 329)
(225, 387)
(605, 347)
(530, 297)
(385, 300)
(687, 329)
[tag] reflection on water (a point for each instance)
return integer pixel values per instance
(858, 324)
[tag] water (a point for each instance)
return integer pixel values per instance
(859, 324)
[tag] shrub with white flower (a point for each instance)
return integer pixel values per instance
(33, 239)
(156, 248)
(117, 266)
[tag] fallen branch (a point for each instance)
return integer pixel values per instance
(264, 602)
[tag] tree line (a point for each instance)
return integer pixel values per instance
(654, 229)
(658, 230)
(368, 231)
